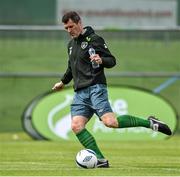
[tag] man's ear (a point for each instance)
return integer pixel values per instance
(80, 23)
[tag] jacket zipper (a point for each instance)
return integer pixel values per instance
(76, 63)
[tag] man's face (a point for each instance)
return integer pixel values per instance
(74, 29)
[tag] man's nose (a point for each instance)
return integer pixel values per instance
(69, 30)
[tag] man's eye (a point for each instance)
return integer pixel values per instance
(69, 27)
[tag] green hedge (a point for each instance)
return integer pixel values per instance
(27, 12)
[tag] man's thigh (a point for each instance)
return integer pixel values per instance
(100, 100)
(81, 106)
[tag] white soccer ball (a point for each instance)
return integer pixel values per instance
(86, 158)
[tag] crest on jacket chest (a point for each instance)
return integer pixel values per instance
(84, 45)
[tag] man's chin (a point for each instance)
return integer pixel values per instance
(73, 37)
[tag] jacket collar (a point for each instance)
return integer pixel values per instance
(87, 31)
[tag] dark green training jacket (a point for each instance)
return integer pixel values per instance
(79, 65)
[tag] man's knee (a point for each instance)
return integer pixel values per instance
(76, 127)
(78, 124)
(110, 120)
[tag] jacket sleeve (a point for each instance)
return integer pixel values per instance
(108, 60)
(68, 75)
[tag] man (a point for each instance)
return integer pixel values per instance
(90, 86)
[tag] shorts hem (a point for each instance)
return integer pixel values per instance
(104, 113)
(88, 117)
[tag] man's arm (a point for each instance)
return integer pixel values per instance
(107, 59)
(68, 74)
(65, 79)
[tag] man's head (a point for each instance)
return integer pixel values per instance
(72, 23)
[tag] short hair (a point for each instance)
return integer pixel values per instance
(74, 16)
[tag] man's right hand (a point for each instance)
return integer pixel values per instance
(58, 86)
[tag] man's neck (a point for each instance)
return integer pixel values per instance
(83, 31)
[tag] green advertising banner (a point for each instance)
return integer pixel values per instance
(51, 118)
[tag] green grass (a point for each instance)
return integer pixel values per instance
(51, 55)
(21, 156)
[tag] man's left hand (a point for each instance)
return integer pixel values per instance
(96, 58)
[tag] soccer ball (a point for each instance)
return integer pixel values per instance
(86, 158)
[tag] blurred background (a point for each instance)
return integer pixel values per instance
(144, 36)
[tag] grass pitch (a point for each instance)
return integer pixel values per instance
(21, 156)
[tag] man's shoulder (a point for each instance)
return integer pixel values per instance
(95, 37)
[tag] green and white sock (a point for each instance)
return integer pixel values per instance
(88, 141)
(132, 121)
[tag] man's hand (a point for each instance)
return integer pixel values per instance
(96, 58)
(58, 86)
